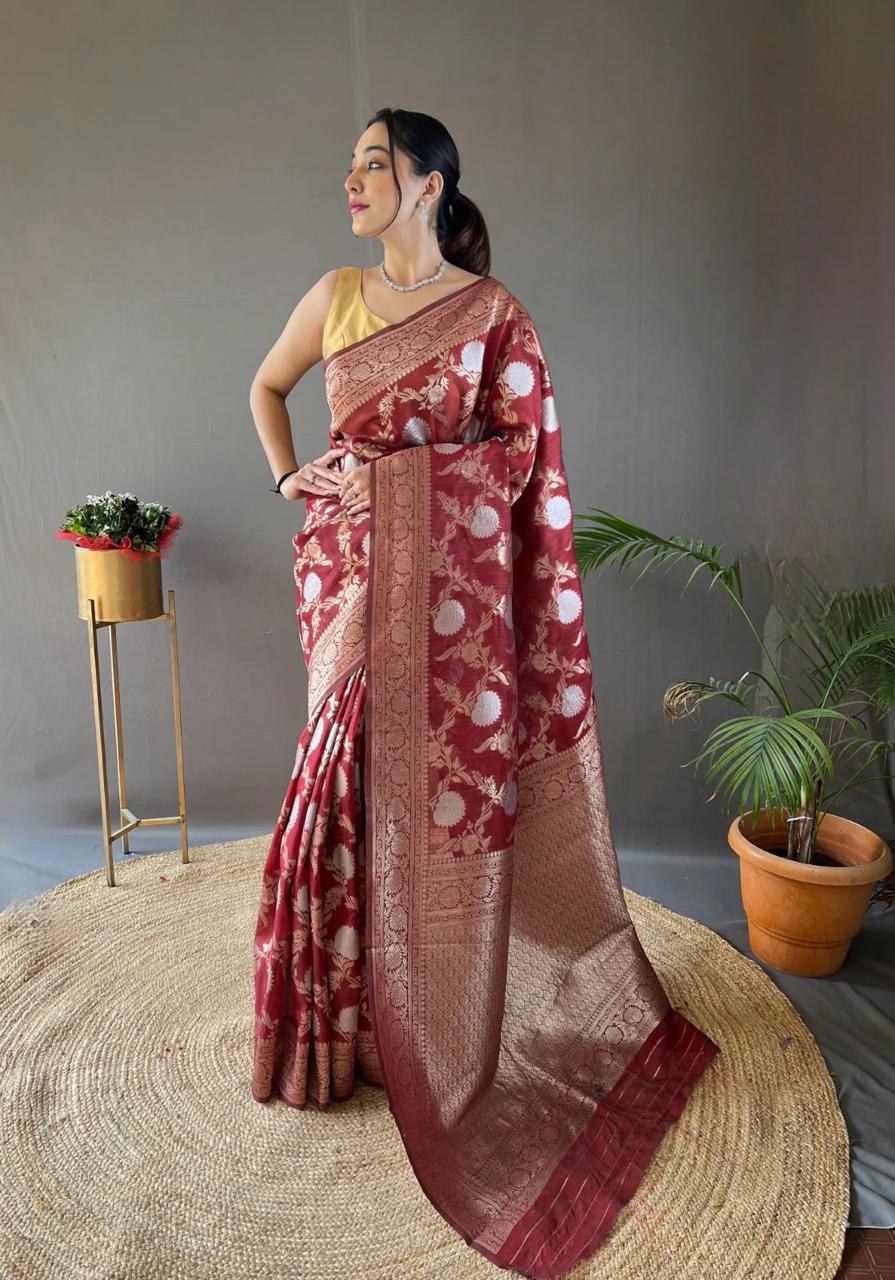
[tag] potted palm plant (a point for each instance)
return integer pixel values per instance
(806, 874)
(119, 544)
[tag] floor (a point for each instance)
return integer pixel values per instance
(868, 1255)
(851, 1014)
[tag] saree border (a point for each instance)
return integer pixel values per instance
(548, 1245)
(394, 352)
(390, 326)
(339, 648)
(397, 695)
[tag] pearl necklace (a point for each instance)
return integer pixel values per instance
(407, 288)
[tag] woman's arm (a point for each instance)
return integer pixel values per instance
(296, 350)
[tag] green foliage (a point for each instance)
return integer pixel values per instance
(773, 755)
(120, 517)
(610, 538)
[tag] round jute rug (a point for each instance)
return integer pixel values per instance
(132, 1148)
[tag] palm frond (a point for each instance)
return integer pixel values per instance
(685, 696)
(761, 762)
(610, 539)
(849, 636)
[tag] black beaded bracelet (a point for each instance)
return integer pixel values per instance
(282, 478)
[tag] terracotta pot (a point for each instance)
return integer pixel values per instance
(123, 589)
(803, 915)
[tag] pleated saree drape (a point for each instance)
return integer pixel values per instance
(441, 906)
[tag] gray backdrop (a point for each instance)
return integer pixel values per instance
(693, 199)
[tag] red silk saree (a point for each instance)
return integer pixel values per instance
(441, 907)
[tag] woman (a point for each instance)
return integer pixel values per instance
(441, 909)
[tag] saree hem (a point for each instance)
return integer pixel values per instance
(602, 1169)
(277, 1095)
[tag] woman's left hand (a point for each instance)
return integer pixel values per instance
(355, 490)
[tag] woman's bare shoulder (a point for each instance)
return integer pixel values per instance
(313, 306)
(300, 345)
(325, 287)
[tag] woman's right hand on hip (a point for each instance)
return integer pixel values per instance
(317, 477)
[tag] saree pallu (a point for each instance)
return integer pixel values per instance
(529, 1053)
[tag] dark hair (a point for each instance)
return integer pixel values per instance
(459, 227)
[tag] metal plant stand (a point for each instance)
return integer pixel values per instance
(127, 819)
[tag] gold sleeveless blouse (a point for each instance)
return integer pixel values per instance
(349, 318)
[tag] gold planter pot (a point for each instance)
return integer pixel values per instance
(123, 589)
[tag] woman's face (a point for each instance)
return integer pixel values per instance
(371, 183)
